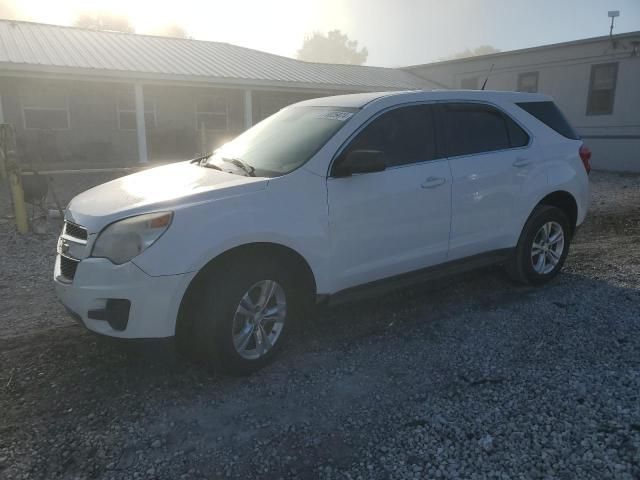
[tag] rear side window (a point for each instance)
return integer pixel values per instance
(472, 128)
(549, 114)
(405, 135)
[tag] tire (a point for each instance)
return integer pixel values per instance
(219, 322)
(537, 265)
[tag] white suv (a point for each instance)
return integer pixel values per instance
(323, 201)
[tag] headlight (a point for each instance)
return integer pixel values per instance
(125, 239)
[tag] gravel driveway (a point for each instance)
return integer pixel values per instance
(472, 377)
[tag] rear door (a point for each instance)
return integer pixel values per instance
(490, 161)
(397, 220)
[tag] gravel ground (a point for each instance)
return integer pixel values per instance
(472, 377)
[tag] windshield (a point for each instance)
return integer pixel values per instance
(282, 142)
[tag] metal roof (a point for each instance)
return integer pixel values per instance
(520, 51)
(50, 48)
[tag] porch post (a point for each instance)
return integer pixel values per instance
(140, 125)
(248, 109)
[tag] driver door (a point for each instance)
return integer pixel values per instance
(397, 220)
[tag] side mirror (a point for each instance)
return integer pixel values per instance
(359, 161)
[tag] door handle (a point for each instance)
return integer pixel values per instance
(433, 182)
(521, 162)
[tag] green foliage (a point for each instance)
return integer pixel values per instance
(481, 50)
(104, 21)
(335, 47)
(171, 30)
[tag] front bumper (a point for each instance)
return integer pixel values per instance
(154, 301)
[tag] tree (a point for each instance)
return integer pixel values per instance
(171, 30)
(335, 47)
(481, 50)
(104, 21)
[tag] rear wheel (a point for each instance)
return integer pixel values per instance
(242, 315)
(542, 248)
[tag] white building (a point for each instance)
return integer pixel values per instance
(596, 82)
(84, 98)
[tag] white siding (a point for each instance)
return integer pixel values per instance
(564, 73)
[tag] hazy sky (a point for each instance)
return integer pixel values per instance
(396, 32)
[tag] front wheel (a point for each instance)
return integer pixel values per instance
(259, 319)
(542, 248)
(243, 315)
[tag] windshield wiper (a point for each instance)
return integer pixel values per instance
(249, 170)
(211, 165)
(200, 161)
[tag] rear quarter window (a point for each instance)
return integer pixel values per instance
(549, 114)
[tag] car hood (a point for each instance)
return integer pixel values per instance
(166, 187)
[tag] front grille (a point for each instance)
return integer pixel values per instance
(68, 267)
(75, 231)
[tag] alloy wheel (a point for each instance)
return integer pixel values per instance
(547, 247)
(259, 319)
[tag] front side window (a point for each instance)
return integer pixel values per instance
(127, 111)
(602, 89)
(528, 82)
(45, 109)
(472, 128)
(404, 135)
(284, 141)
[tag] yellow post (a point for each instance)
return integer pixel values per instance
(15, 180)
(18, 202)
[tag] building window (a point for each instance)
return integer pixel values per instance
(212, 113)
(270, 103)
(127, 111)
(45, 109)
(602, 89)
(528, 82)
(469, 83)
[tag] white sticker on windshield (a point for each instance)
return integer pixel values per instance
(335, 115)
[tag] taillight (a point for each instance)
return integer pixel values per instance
(585, 156)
